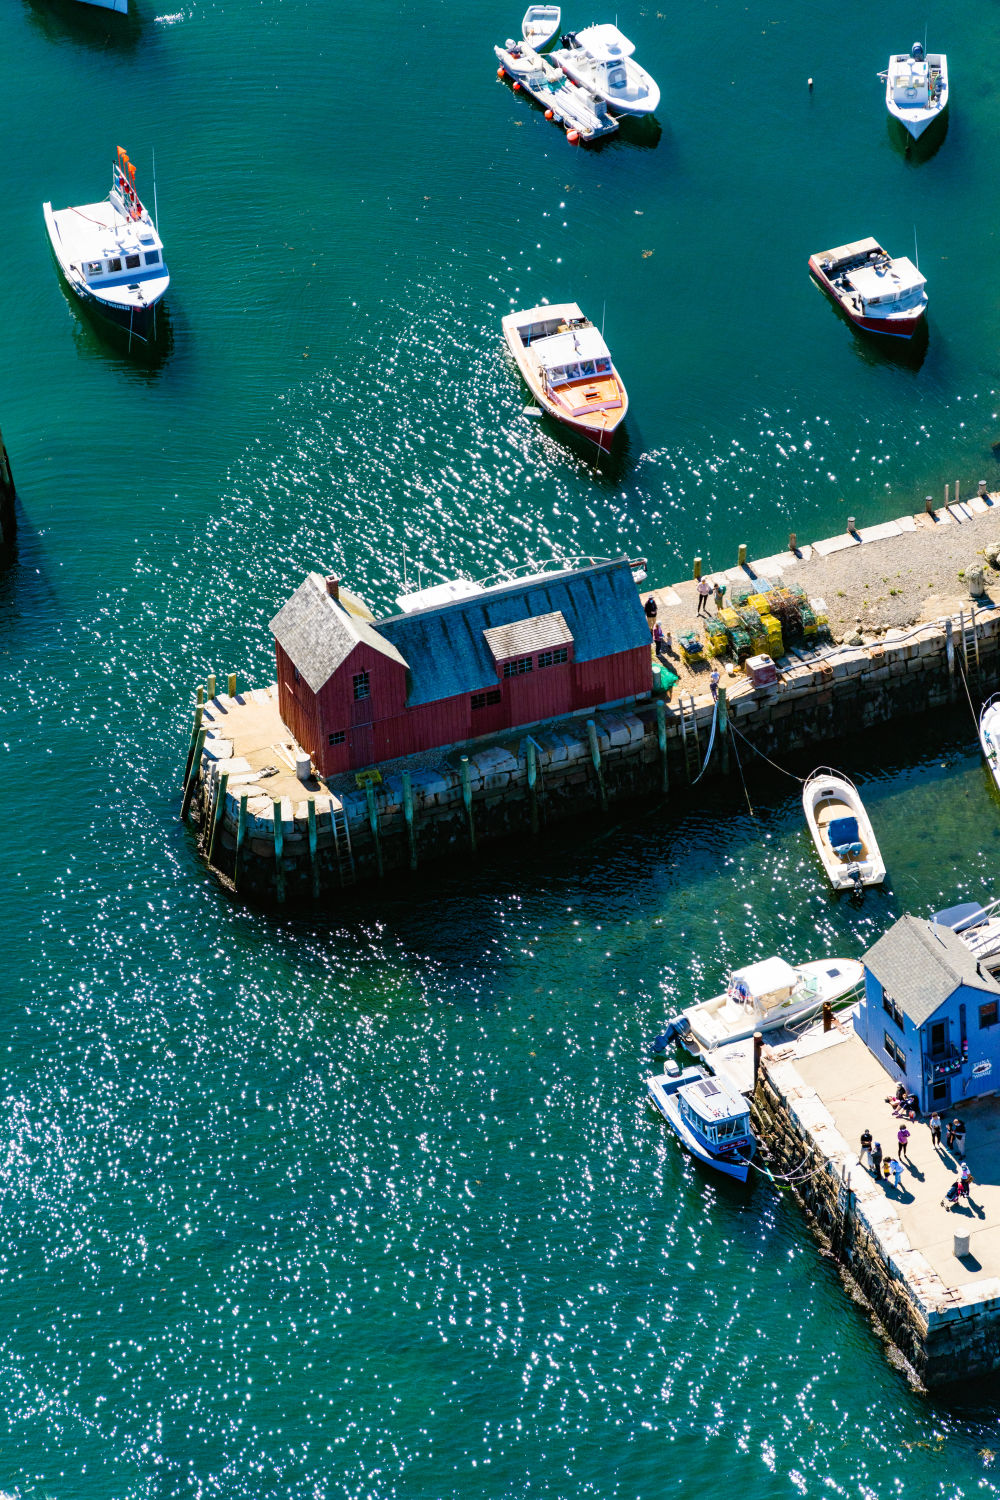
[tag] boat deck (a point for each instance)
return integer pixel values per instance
(568, 104)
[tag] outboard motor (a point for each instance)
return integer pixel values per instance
(568, 39)
(917, 52)
(854, 873)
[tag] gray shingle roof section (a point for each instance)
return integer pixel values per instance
(540, 633)
(447, 650)
(921, 964)
(319, 635)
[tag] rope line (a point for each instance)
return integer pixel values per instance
(800, 779)
(711, 742)
(739, 768)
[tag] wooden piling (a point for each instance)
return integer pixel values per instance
(929, 503)
(218, 813)
(595, 755)
(199, 696)
(697, 569)
(827, 1015)
(411, 831)
(192, 775)
(231, 685)
(467, 800)
(210, 687)
(241, 833)
(723, 731)
(758, 1047)
(661, 740)
(193, 741)
(957, 495)
(531, 756)
(279, 851)
(947, 495)
(373, 824)
(741, 555)
(793, 542)
(313, 845)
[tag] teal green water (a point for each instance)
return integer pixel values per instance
(369, 1203)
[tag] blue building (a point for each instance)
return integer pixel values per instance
(931, 1014)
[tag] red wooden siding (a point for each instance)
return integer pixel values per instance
(381, 727)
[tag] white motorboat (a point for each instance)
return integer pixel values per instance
(584, 117)
(989, 735)
(708, 1116)
(111, 255)
(841, 831)
(567, 367)
(916, 88)
(877, 291)
(979, 928)
(761, 997)
(540, 25)
(600, 58)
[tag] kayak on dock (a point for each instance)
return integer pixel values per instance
(709, 1118)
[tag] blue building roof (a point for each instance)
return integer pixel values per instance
(448, 654)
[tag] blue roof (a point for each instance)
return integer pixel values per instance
(448, 654)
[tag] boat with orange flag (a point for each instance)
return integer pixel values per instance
(111, 255)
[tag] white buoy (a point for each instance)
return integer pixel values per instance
(810, 85)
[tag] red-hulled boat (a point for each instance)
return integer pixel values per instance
(877, 292)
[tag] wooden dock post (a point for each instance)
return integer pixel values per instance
(929, 504)
(231, 685)
(210, 687)
(192, 775)
(313, 845)
(373, 823)
(741, 555)
(661, 740)
(467, 801)
(949, 651)
(218, 812)
(827, 1015)
(947, 495)
(758, 1047)
(199, 696)
(279, 851)
(411, 831)
(697, 569)
(198, 712)
(957, 496)
(724, 731)
(531, 756)
(595, 755)
(241, 833)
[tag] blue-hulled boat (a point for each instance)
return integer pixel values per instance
(709, 1117)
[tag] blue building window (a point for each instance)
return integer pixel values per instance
(892, 1009)
(988, 1015)
(895, 1051)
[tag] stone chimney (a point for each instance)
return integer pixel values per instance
(333, 588)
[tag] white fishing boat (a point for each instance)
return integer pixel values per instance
(979, 928)
(540, 25)
(111, 255)
(916, 88)
(583, 117)
(762, 997)
(989, 735)
(567, 367)
(600, 58)
(709, 1117)
(841, 831)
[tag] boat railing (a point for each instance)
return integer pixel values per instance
(828, 771)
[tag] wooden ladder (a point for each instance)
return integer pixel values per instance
(689, 736)
(968, 634)
(342, 844)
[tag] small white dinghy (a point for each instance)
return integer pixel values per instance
(916, 88)
(762, 997)
(540, 25)
(989, 735)
(841, 831)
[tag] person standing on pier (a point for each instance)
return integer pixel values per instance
(935, 1123)
(877, 1159)
(903, 1139)
(704, 590)
(866, 1146)
(650, 608)
(897, 1173)
(958, 1138)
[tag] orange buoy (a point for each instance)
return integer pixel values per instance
(499, 72)
(549, 115)
(517, 88)
(572, 136)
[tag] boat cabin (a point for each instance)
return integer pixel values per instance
(576, 354)
(716, 1113)
(883, 281)
(931, 1013)
(545, 322)
(914, 81)
(608, 49)
(763, 985)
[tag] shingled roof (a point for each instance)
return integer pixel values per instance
(921, 964)
(447, 649)
(318, 634)
(540, 633)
